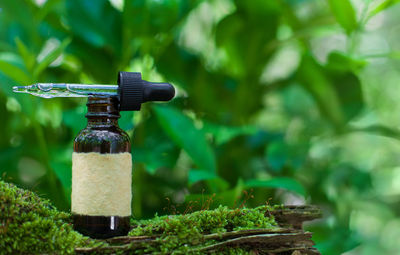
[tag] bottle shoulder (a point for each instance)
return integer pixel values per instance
(102, 140)
(103, 133)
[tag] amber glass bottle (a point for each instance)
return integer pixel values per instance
(101, 173)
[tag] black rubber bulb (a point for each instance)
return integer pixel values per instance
(133, 91)
(154, 91)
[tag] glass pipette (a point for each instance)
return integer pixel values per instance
(50, 90)
(131, 90)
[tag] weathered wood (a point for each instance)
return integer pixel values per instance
(288, 238)
(295, 215)
(267, 242)
(131, 239)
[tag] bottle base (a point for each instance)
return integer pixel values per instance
(101, 227)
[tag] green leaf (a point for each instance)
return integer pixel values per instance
(26, 55)
(382, 6)
(11, 65)
(64, 174)
(153, 147)
(277, 182)
(377, 129)
(342, 62)
(96, 22)
(344, 14)
(229, 198)
(126, 120)
(346, 176)
(313, 78)
(223, 134)
(394, 54)
(341, 70)
(20, 18)
(8, 160)
(337, 90)
(277, 155)
(214, 182)
(156, 154)
(196, 175)
(71, 115)
(280, 154)
(51, 56)
(183, 132)
(245, 57)
(154, 17)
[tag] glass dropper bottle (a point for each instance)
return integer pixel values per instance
(101, 159)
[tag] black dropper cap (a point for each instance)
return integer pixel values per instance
(133, 91)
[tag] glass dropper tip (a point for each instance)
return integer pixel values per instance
(19, 89)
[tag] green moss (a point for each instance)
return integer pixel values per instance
(183, 233)
(31, 225)
(237, 251)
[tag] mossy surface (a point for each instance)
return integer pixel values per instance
(31, 225)
(188, 233)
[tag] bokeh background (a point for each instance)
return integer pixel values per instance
(279, 101)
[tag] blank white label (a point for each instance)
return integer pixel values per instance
(101, 184)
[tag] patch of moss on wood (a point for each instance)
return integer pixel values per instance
(31, 225)
(188, 233)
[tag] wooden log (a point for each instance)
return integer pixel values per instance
(295, 215)
(287, 239)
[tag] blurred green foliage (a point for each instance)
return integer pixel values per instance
(294, 100)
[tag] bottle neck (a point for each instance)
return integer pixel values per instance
(102, 112)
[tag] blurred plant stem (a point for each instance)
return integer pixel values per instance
(137, 184)
(55, 189)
